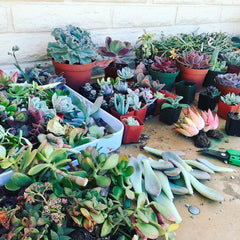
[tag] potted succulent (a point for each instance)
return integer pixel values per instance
(117, 51)
(232, 126)
(132, 129)
(194, 67)
(125, 74)
(165, 70)
(233, 62)
(228, 103)
(171, 110)
(209, 98)
(228, 82)
(146, 52)
(217, 67)
(73, 55)
(121, 106)
(186, 89)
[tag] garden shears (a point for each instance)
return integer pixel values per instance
(231, 156)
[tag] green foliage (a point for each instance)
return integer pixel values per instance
(171, 103)
(121, 103)
(219, 66)
(232, 58)
(231, 99)
(73, 45)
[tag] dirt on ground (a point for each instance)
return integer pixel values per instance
(216, 221)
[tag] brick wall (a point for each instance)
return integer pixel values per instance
(29, 23)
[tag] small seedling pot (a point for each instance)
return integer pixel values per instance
(170, 115)
(232, 126)
(151, 109)
(206, 102)
(224, 108)
(132, 134)
(141, 113)
(118, 115)
(186, 89)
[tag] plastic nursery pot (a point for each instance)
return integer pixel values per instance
(209, 79)
(224, 108)
(193, 75)
(205, 102)
(232, 126)
(132, 134)
(159, 104)
(141, 113)
(76, 74)
(167, 78)
(187, 90)
(225, 90)
(118, 115)
(111, 70)
(233, 69)
(151, 109)
(170, 115)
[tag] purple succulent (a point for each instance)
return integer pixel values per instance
(164, 65)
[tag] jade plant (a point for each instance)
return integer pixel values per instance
(72, 45)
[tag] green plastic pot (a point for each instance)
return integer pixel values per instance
(187, 90)
(167, 78)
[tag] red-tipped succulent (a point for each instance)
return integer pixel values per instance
(164, 65)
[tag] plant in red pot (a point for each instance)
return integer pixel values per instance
(73, 55)
(194, 67)
(132, 129)
(118, 52)
(228, 83)
(165, 70)
(228, 103)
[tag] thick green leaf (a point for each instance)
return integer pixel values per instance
(21, 179)
(36, 169)
(148, 230)
(11, 186)
(28, 157)
(102, 181)
(142, 216)
(199, 165)
(130, 194)
(2, 152)
(106, 228)
(54, 235)
(141, 200)
(98, 218)
(57, 155)
(136, 177)
(111, 162)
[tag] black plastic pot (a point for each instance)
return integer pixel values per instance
(170, 115)
(151, 109)
(111, 70)
(205, 101)
(187, 90)
(209, 79)
(232, 126)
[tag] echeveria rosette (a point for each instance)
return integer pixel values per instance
(62, 104)
(164, 65)
(115, 49)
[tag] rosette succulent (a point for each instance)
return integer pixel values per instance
(62, 104)
(125, 74)
(232, 58)
(231, 99)
(164, 65)
(228, 80)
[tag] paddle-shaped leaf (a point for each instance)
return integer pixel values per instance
(147, 230)
(111, 162)
(136, 177)
(38, 168)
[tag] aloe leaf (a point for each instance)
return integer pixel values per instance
(111, 162)
(214, 167)
(165, 184)
(185, 175)
(178, 190)
(199, 174)
(170, 155)
(204, 190)
(136, 177)
(149, 231)
(172, 171)
(166, 207)
(199, 166)
(160, 164)
(152, 183)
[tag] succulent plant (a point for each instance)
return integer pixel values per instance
(232, 58)
(228, 80)
(134, 99)
(62, 104)
(106, 86)
(195, 60)
(218, 66)
(164, 65)
(5, 80)
(121, 103)
(73, 46)
(212, 91)
(121, 87)
(125, 74)
(131, 121)
(115, 49)
(174, 103)
(231, 99)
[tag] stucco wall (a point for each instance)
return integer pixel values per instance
(29, 23)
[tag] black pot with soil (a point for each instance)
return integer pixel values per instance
(205, 101)
(170, 115)
(187, 90)
(232, 126)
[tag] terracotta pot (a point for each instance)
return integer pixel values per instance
(132, 134)
(209, 79)
(111, 70)
(193, 75)
(167, 78)
(233, 69)
(224, 108)
(141, 113)
(232, 126)
(225, 90)
(118, 115)
(76, 74)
